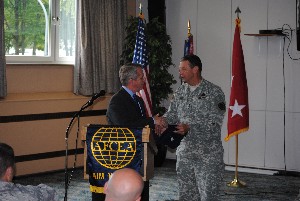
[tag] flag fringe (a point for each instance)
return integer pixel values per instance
(236, 133)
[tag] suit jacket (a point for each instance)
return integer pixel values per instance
(123, 111)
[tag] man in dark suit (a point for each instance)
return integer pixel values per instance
(125, 108)
(128, 109)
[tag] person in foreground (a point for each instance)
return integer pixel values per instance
(16, 192)
(124, 185)
(198, 108)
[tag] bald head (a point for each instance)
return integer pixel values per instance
(124, 185)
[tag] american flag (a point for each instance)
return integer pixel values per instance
(140, 56)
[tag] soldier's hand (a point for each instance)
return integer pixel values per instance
(182, 129)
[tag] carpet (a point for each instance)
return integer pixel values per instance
(163, 187)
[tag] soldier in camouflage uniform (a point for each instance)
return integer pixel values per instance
(198, 108)
(16, 192)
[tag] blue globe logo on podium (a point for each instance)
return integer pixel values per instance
(113, 148)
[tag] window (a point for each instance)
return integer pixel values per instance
(39, 30)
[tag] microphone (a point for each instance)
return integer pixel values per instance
(101, 93)
(90, 102)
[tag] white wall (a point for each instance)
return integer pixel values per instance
(271, 92)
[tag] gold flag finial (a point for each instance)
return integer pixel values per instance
(140, 7)
(141, 11)
(238, 11)
(189, 28)
(238, 20)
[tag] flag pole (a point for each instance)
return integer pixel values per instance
(236, 182)
(187, 43)
(141, 11)
(189, 28)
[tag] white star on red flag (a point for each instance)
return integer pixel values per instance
(236, 109)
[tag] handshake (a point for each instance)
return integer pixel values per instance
(161, 125)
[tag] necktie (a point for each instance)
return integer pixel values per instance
(135, 98)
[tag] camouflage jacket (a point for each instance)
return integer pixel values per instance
(16, 192)
(203, 110)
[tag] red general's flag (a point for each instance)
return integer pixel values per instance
(238, 112)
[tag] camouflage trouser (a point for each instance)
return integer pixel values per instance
(199, 179)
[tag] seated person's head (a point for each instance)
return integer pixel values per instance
(124, 185)
(7, 162)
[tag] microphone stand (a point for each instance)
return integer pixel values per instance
(77, 114)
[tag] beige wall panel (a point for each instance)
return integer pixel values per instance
(16, 104)
(47, 165)
(39, 78)
(35, 137)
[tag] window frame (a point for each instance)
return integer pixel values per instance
(53, 43)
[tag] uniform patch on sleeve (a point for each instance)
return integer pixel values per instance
(221, 106)
(172, 97)
(202, 96)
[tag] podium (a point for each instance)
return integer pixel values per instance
(149, 148)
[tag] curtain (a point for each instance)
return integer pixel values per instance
(100, 35)
(3, 86)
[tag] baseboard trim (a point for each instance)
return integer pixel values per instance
(251, 170)
(47, 116)
(48, 172)
(47, 155)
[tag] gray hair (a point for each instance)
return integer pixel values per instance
(127, 72)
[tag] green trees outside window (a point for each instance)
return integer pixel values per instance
(39, 28)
